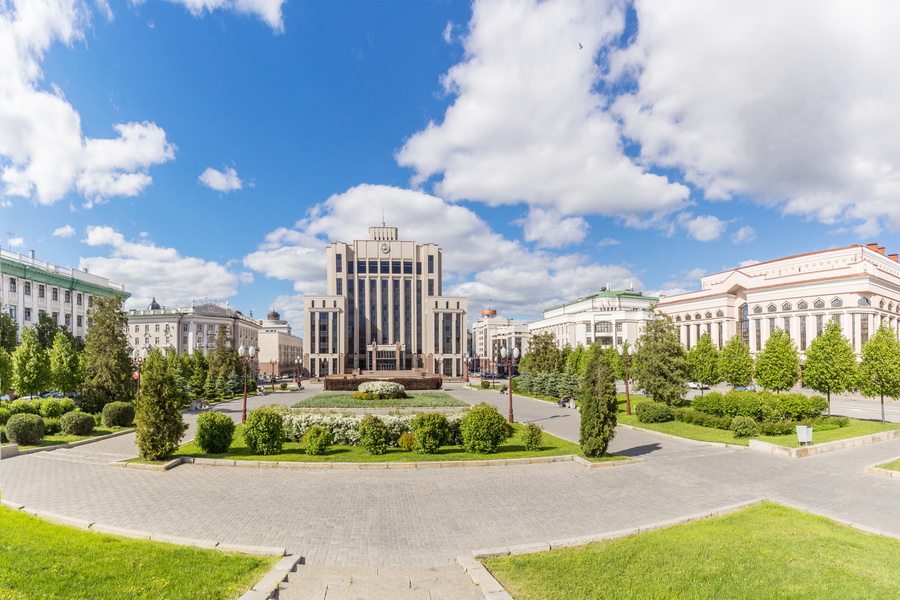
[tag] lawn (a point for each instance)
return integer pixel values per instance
(294, 452)
(48, 561)
(765, 551)
(346, 400)
(894, 465)
(53, 440)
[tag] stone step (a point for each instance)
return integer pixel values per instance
(448, 582)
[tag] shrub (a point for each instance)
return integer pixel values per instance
(744, 427)
(745, 404)
(25, 429)
(710, 403)
(407, 441)
(51, 426)
(67, 405)
(486, 385)
(3, 438)
(383, 389)
(695, 417)
(653, 412)
(798, 406)
(777, 427)
(317, 440)
(215, 432)
(98, 419)
(22, 406)
(118, 414)
(283, 385)
(430, 430)
(51, 408)
(5, 414)
(532, 436)
(374, 435)
(351, 384)
(264, 432)
(77, 423)
(483, 429)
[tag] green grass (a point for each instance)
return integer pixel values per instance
(53, 440)
(294, 452)
(765, 551)
(346, 400)
(893, 465)
(54, 562)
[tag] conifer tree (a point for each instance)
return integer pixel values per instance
(108, 370)
(65, 365)
(703, 362)
(31, 370)
(879, 371)
(830, 363)
(235, 383)
(157, 420)
(660, 363)
(221, 385)
(198, 375)
(735, 363)
(598, 404)
(209, 388)
(778, 366)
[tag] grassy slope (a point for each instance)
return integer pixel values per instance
(765, 551)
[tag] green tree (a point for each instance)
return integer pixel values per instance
(235, 382)
(598, 404)
(9, 331)
(65, 365)
(543, 355)
(660, 364)
(575, 359)
(879, 371)
(778, 365)
(735, 363)
(108, 370)
(46, 330)
(6, 371)
(198, 375)
(31, 371)
(157, 420)
(224, 358)
(830, 363)
(703, 362)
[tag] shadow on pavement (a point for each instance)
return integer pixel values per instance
(639, 450)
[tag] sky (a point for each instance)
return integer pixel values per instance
(213, 148)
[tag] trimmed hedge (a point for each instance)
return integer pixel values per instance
(118, 414)
(215, 432)
(5, 414)
(351, 384)
(77, 423)
(653, 412)
(374, 435)
(483, 429)
(264, 431)
(431, 430)
(317, 440)
(25, 429)
(761, 406)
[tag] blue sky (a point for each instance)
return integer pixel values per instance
(212, 148)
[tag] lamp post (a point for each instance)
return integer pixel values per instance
(272, 372)
(246, 355)
(626, 360)
(138, 357)
(440, 361)
(509, 356)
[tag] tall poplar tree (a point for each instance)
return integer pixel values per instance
(65, 365)
(108, 370)
(157, 420)
(703, 362)
(598, 403)
(660, 363)
(879, 371)
(830, 363)
(31, 370)
(778, 365)
(735, 363)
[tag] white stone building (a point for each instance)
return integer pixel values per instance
(30, 287)
(857, 285)
(280, 352)
(190, 328)
(490, 333)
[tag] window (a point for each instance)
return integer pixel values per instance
(156, 328)
(837, 303)
(407, 267)
(863, 329)
(720, 314)
(802, 333)
(431, 263)
(27, 314)
(758, 325)
(137, 328)
(184, 328)
(340, 287)
(56, 317)
(12, 284)
(54, 294)
(862, 301)
(68, 320)
(78, 320)
(708, 315)
(78, 298)
(156, 341)
(137, 342)
(772, 308)
(146, 328)
(361, 267)
(41, 290)
(786, 306)
(68, 297)
(819, 303)
(820, 324)
(787, 325)
(183, 339)
(12, 311)
(385, 266)
(418, 268)
(802, 305)
(757, 310)
(27, 288)
(431, 287)
(338, 263)
(350, 264)
(90, 301)
(373, 267)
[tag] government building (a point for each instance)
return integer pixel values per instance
(280, 352)
(859, 286)
(384, 311)
(490, 334)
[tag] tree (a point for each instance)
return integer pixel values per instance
(9, 331)
(157, 420)
(31, 371)
(224, 358)
(703, 362)
(46, 330)
(65, 365)
(778, 365)
(735, 363)
(6, 371)
(198, 375)
(660, 364)
(879, 371)
(598, 403)
(107, 361)
(830, 363)
(543, 355)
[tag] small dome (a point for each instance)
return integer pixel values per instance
(273, 316)
(154, 305)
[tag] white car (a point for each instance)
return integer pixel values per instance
(696, 385)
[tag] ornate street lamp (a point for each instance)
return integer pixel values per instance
(138, 357)
(508, 357)
(626, 360)
(246, 355)
(272, 372)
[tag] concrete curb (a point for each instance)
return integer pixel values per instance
(841, 521)
(813, 450)
(876, 470)
(481, 577)
(4, 453)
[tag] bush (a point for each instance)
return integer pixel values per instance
(3, 438)
(77, 423)
(486, 385)
(51, 408)
(283, 385)
(98, 419)
(67, 404)
(744, 427)
(317, 440)
(710, 403)
(798, 406)
(483, 429)
(25, 429)
(374, 435)
(5, 414)
(264, 431)
(22, 406)
(407, 441)
(695, 417)
(215, 432)
(382, 389)
(118, 414)
(532, 436)
(430, 430)
(777, 427)
(351, 384)
(51, 426)
(653, 412)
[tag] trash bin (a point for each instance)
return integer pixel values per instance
(804, 434)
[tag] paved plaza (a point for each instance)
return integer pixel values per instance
(426, 518)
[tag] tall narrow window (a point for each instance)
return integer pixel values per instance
(27, 288)
(820, 324)
(338, 263)
(787, 325)
(863, 329)
(339, 286)
(757, 323)
(431, 263)
(431, 287)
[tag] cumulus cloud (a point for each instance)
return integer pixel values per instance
(747, 263)
(795, 104)
(527, 123)
(149, 271)
(227, 181)
(743, 235)
(608, 242)
(477, 261)
(15, 242)
(290, 307)
(267, 10)
(66, 231)
(704, 228)
(549, 229)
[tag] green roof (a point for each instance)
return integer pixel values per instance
(608, 294)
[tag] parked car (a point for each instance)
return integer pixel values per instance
(696, 385)
(53, 395)
(747, 388)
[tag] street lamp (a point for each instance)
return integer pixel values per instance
(138, 357)
(246, 355)
(440, 371)
(626, 360)
(509, 356)
(272, 372)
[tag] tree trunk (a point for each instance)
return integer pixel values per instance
(882, 408)
(828, 393)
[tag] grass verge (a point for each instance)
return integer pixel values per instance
(764, 551)
(53, 440)
(893, 465)
(346, 400)
(53, 561)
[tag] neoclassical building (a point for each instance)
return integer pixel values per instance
(280, 352)
(859, 286)
(609, 317)
(384, 310)
(490, 333)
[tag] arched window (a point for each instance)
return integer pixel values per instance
(678, 319)
(802, 305)
(687, 317)
(719, 313)
(837, 303)
(697, 317)
(757, 310)
(772, 308)
(865, 301)
(786, 306)
(708, 315)
(819, 303)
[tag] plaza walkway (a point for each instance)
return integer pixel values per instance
(424, 518)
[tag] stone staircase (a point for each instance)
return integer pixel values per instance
(449, 582)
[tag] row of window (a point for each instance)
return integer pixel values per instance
(387, 267)
(42, 292)
(787, 306)
(184, 327)
(27, 315)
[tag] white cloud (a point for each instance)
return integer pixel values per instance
(290, 307)
(551, 230)
(704, 228)
(15, 242)
(608, 242)
(681, 283)
(43, 152)
(66, 231)
(743, 235)
(245, 277)
(527, 124)
(747, 263)
(795, 104)
(226, 181)
(150, 271)
(477, 262)
(267, 10)
(448, 32)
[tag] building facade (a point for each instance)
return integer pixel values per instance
(490, 334)
(608, 317)
(190, 329)
(31, 287)
(384, 311)
(859, 286)
(280, 352)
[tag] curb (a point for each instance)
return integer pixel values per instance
(876, 470)
(481, 577)
(824, 447)
(16, 452)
